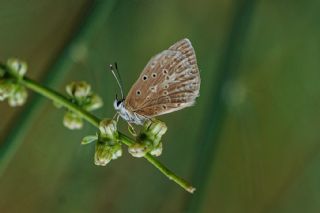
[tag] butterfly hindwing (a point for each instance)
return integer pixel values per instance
(169, 82)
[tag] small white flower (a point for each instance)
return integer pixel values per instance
(103, 154)
(108, 128)
(17, 66)
(18, 97)
(95, 103)
(72, 121)
(102, 158)
(79, 89)
(138, 150)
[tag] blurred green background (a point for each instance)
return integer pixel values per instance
(250, 144)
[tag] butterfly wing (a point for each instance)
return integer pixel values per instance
(169, 82)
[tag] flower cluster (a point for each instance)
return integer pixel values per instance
(80, 93)
(10, 89)
(108, 146)
(149, 139)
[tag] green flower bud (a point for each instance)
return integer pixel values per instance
(105, 152)
(79, 89)
(157, 151)
(72, 121)
(18, 96)
(154, 130)
(149, 139)
(108, 146)
(17, 66)
(139, 150)
(108, 129)
(95, 102)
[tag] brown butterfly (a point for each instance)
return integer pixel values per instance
(169, 82)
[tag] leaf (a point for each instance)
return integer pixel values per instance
(89, 139)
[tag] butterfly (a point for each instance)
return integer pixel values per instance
(169, 82)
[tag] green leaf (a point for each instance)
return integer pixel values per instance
(89, 139)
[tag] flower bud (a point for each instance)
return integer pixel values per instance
(95, 102)
(149, 139)
(154, 130)
(108, 146)
(108, 129)
(157, 151)
(79, 89)
(105, 152)
(72, 121)
(117, 153)
(139, 150)
(17, 66)
(18, 97)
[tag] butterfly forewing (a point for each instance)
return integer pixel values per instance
(169, 82)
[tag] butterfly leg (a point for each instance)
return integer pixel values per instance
(116, 117)
(131, 130)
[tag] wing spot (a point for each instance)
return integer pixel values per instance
(167, 77)
(165, 71)
(164, 106)
(145, 77)
(154, 75)
(165, 92)
(166, 86)
(138, 92)
(153, 89)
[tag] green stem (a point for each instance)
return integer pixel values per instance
(60, 99)
(63, 101)
(164, 170)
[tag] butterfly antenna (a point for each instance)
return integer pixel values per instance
(117, 77)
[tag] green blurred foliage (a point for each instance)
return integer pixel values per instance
(250, 144)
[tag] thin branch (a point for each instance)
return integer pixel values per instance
(63, 101)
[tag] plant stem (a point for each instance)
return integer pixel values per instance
(164, 170)
(63, 101)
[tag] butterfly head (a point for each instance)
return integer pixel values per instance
(118, 104)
